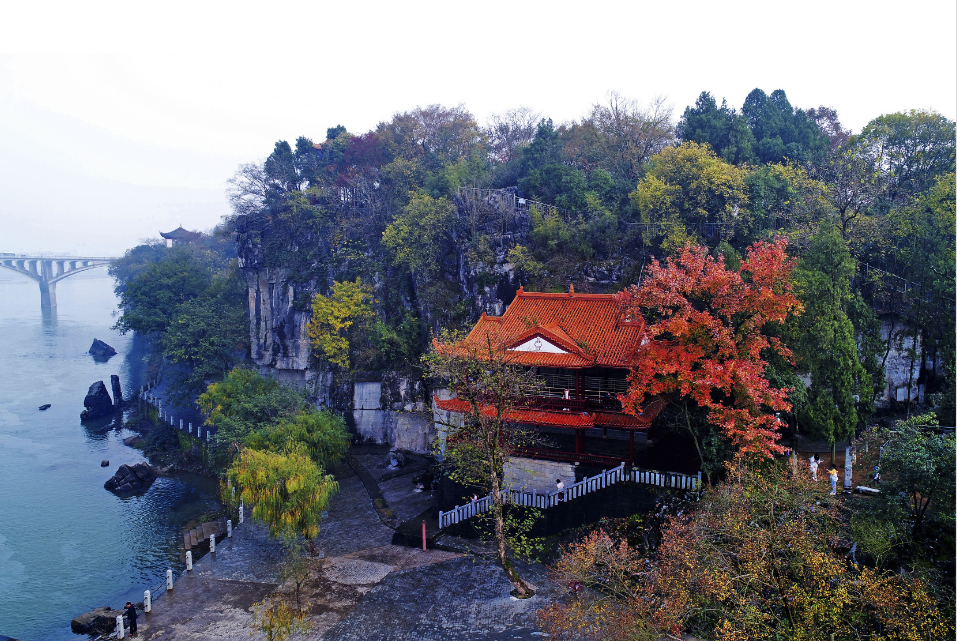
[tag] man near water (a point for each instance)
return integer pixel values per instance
(131, 614)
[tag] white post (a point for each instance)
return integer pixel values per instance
(199, 431)
(848, 468)
(189, 561)
(147, 602)
(212, 543)
(191, 429)
(229, 528)
(181, 424)
(120, 632)
(169, 579)
(240, 511)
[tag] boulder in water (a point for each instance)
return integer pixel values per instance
(97, 402)
(43, 408)
(99, 348)
(104, 463)
(117, 391)
(131, 478)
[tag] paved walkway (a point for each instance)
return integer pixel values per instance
(362, 587)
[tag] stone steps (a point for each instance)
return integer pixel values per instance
(202, 532)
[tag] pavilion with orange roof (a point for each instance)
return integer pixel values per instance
(581, 347)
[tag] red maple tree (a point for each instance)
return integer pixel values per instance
(705, 335)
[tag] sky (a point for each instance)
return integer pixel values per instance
(119, 120)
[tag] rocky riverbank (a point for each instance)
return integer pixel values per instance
(360, 585)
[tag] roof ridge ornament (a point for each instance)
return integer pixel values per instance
(571, 289)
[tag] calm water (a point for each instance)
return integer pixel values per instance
(66, 544)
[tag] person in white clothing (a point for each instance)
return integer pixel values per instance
(561, 489)
(814, 464)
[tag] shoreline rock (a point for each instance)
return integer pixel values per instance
(131, 478)
(100, 620)
(97, 402)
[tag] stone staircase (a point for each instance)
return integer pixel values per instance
(194, 537)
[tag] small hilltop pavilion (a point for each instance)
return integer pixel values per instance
(180, 235)
(580, 346)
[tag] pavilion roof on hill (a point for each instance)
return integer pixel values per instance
(566, 331)
(181, 235)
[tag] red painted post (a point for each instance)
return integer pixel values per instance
(423, 536)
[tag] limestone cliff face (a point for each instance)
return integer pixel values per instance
(277, 329)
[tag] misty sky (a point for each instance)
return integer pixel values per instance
(118, 121)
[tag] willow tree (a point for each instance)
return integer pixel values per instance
(287, 490)
(480, 440)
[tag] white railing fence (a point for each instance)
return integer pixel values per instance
(585, 486)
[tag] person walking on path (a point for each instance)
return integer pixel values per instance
(814, 464)
(131, 614)
(833, 474)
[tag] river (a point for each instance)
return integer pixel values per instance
(66, 544)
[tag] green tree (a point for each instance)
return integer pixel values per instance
(477, 446)
(287, 490)
(781, 131)
(420, 237)
(245, 401)
(918, 472)
(824, 339)
(322, 434)
(921, 238)
(911, 150)
(208, 336)
(152, 298)
(722, 128)
(688, 186)
(332, 317)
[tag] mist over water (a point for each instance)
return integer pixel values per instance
(66, 544)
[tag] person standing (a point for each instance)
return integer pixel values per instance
(833, 474)
(814, 464)
(560, 486)
(131, 614)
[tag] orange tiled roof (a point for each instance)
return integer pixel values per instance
(589, 328)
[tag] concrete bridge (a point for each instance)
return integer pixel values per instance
(48, 270)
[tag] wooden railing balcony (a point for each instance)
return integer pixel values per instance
(557, 404)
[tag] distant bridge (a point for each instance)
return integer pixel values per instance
(48, 270)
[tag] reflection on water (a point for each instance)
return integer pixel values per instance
(48, 317)
(67, 545)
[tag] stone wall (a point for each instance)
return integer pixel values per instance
(539, 476)
(381, 417)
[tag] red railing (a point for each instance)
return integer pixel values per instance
(556, 455)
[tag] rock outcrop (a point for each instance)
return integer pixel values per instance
(99, 348)
(131, 478)
(101, 620)
(97, 402)
(117, 391)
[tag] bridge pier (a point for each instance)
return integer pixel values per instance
(47, 293)
(48, 270)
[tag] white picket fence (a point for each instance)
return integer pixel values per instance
(578, 490)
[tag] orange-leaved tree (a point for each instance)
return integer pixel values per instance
(706, 331)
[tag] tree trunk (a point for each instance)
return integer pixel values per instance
(696, 446)
(522, 589)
